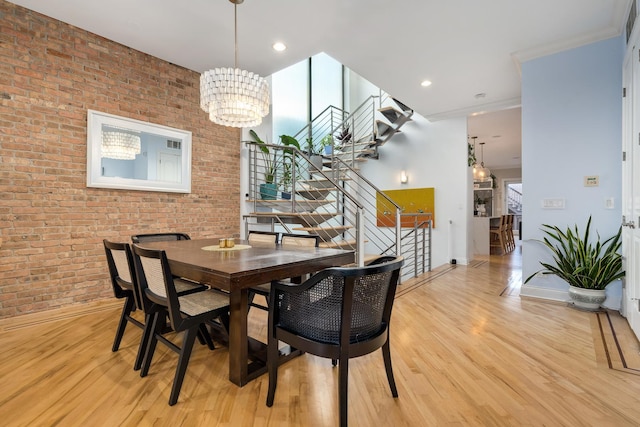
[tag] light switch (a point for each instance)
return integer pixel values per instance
(609, 203)
(553, 203)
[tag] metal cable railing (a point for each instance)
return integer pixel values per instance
(331, 198)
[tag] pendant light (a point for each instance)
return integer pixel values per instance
(120, 144)
(234, 97)
(483, 172)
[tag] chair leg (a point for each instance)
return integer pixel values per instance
(151, 343)
(204, 337)
(343, 374)
(272, 367)
(127, 308)
(146, 333)
(386, 354)
(183, 361)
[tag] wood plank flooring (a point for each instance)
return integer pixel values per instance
(467, 351)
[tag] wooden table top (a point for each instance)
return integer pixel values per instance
(236, 269)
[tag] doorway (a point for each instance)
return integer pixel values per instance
(513, 203)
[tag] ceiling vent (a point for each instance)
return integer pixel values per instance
(174, 145)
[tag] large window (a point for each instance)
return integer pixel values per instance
(303, 91)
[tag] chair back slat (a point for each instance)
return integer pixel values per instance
(159, 237)
(153, 273)
(263, 237)
(121, 270)
(122, 265)
(306, 240)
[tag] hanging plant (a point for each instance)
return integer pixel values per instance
(472, 155)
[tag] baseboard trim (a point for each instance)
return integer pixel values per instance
(529, 291)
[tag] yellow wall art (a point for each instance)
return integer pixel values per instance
(417, 204)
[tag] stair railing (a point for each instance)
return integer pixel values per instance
(416, 243)
(514, 198)
(292, 193)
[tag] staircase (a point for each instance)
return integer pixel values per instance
(320, 190)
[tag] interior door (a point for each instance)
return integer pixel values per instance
(631, 181)
(169, 167)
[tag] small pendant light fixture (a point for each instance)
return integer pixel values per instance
(234, 97)
(482, 172)
(119, 143)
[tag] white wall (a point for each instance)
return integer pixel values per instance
(434, 154)
(571, 128)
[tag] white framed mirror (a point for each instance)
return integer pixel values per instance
(131, 154)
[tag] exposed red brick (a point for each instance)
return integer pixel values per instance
(51, 224)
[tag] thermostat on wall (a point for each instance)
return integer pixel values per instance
(591, 181)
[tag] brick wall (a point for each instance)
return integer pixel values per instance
(51, 224)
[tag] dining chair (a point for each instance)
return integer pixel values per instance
(187, 313)
(263, 237)
(125, 285)
(339, 313)
(498, 237)
(122, 277)
(159, 237)
(307, 240)
(510, 240)
(286, 240)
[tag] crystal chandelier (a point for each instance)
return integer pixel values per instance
(120, 144)
(234, 97)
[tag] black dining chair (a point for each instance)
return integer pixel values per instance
(339, 313)
(270, 238)
(125, 285)
(122, 277)
(263, 238)
(159, 237)
(187, 313)
(286, 240)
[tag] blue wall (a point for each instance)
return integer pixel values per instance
(571, 128)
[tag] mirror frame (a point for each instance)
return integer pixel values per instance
(95, 121)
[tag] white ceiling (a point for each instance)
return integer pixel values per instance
(465, 47)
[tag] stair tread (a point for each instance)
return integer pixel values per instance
(295, 214)
(314, 193)
(404, 107)
(338, 244)
(394, 116)
(315, 229)
(301, 205)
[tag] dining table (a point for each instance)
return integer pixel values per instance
(237, 269)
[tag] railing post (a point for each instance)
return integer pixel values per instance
(398, 232)
(360, 237)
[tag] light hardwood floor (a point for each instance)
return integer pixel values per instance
(467, 351)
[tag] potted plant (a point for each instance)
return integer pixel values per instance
(344, 137)
(315, 157)
(326, 144)
(268, 189)
(588, 267)
(288, 163)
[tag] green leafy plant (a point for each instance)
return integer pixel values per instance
(327, 141)
(472, 155)
(288, 159)
(578, 261)
(270, 162)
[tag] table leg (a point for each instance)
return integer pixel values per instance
(238, 339)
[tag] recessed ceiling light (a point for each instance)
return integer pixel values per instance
(425, 83)
(279, 46)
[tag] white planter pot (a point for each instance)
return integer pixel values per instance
(587, 299)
